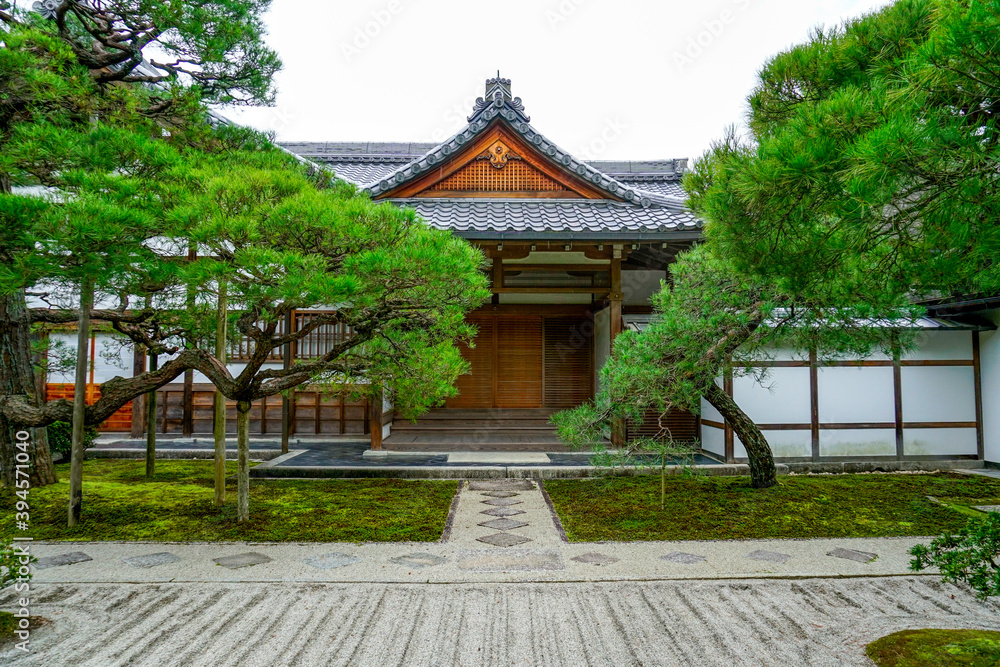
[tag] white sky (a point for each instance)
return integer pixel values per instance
(604, 79)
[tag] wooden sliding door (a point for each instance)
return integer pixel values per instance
(527, 361)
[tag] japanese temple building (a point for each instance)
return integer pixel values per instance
(577, 247)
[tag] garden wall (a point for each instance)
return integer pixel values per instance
(921, 405)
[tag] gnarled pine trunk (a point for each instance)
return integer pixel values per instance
(762, 471)
(80, 403)
(219, 424)
(17, 377)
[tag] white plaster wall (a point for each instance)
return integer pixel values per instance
(602, 343)
(938, 393)
(783, 443)
(924, 441)
(942, 345)
(782, 398)
(855, 395)
(708, 411)
(857, 442)
(989, 354)
(713, 440)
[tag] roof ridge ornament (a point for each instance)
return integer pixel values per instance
(498, 95)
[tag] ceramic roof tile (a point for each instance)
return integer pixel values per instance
(591, 216)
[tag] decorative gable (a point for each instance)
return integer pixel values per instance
(498, 164)
(499, 171)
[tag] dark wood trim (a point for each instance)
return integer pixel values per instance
(729, 436)
(846, 426)
(375, 421)
(897, 394)
(814, 402)
(263, 415)
(856, 459)
(978, 385)
(616, 297)
(551, 290)
(496, 282)
(867, 363)
(498, 194)
(581, 268)
(515, 309)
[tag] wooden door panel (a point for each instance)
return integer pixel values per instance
(569, 379)
(519, 362)
(475, 389)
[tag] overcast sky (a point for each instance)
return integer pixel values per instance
(604, 79)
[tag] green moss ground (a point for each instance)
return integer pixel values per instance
(119, 503)
(936, 648)
(713, 508)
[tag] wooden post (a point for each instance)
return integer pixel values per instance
(814, 402)
(187, 417)
(497, 282)
(138, 403)
(375, 419)
(897, 390)
(151, 422)
(286, 407)
(618, 434)
(978, 383)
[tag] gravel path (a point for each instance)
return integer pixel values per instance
(753, 622)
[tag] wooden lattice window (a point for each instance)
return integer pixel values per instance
(516, 175)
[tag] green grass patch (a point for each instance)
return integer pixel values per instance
(714, 508)
(177, 504)
(936, 648)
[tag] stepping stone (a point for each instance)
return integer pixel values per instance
(502, 511)
(61, 559)
(851, 554)
(770, 556)
(418, 560)
(504, 539)
(328, 561)
(242, 560)
(502, 502)
(510, 560)
(503, 524)
(501, 485)
(683, 558)
(594, 558)
(499, 494)
(987, 508)
(151, 560)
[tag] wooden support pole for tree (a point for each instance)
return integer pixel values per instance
(80, 402)
(243, 461)
(187, 414)
(375, 418)
(151, 422)
(138, 403)
(219, 423)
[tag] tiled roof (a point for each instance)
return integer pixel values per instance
(593, 218)
(654, 205)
